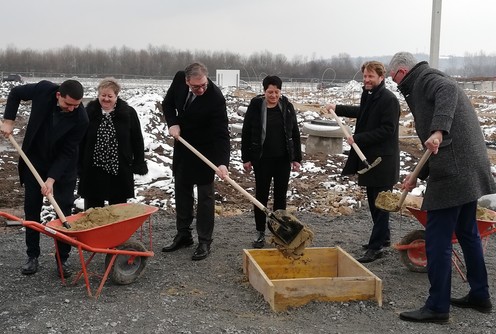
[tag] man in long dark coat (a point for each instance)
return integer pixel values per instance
(376, 134)
(195, 109)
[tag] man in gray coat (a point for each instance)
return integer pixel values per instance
(458, 175)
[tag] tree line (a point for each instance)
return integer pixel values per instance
(164, 62)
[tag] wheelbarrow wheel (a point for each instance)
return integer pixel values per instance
(125, 271)
(414, 258)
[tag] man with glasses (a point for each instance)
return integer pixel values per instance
(195, 109)
(56, 125)
(458, 173)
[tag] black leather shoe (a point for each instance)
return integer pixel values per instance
(66, 270)
(201, 252)
(425, 315)
(259, 242)
(370, 255)
(30, 267)
(178, 242)
(484, 305)
(386, 244)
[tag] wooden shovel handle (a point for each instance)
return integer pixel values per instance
(227, 178)
(37, 176)
(414, 174)
(347, 134)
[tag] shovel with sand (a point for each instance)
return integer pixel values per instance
(289, 233)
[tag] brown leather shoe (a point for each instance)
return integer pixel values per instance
(425, 315)
(481, 305)
(178, 242)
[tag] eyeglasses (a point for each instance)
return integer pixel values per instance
(396, 73)
(198, 87)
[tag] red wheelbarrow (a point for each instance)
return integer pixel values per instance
(412, 245)
(125, 259)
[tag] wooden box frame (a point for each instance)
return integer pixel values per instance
(321, 274)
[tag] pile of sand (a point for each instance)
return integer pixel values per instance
(95, 217)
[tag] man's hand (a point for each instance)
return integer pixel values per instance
(7, 127)
(47, 189)
(247, 166)
(175, 131)
(222, 172)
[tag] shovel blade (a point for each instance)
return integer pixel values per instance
(369, 166)
(284, 226)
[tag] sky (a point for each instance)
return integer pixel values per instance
(309, 29)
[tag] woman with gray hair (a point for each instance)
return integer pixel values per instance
(112, 150)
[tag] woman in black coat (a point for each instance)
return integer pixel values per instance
(270, 143)
(112, 150)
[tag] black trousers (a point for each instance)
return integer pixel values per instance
(63, 193)
(266, 170)
(205, 209)
(380, 230)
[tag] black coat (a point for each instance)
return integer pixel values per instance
(251, 137)
(376, 134)
(204, 125)
(60, 159)
(94, 182)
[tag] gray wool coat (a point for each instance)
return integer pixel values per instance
(460, 172)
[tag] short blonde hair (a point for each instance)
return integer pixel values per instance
(109, 83)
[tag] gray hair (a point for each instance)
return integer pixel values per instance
(402, 60)
(196, 70)
(109, 83)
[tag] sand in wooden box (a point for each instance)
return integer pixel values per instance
(321, 274)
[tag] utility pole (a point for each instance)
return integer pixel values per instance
(435, 33)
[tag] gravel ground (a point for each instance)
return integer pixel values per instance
(177, 295)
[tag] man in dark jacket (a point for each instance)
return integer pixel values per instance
(376, 134)
(56, 125)
(458, 175)
(195, 109)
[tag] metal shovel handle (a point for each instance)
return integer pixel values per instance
(38, 178)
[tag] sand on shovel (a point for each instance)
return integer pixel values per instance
(296, 248)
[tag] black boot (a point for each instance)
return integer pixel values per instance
(30, 267)
(259, 242)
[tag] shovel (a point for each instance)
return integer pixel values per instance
(285, 227)
(50, 197)
(381, 201)
(355, 147)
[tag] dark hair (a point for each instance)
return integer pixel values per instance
(72, 88)
(271, 80)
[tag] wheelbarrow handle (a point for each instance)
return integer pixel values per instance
(227, 178)
(38, 178)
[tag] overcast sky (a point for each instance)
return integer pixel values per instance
(307, 28)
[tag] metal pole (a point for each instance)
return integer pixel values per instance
(435, 33)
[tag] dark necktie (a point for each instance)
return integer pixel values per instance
(188, 100)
